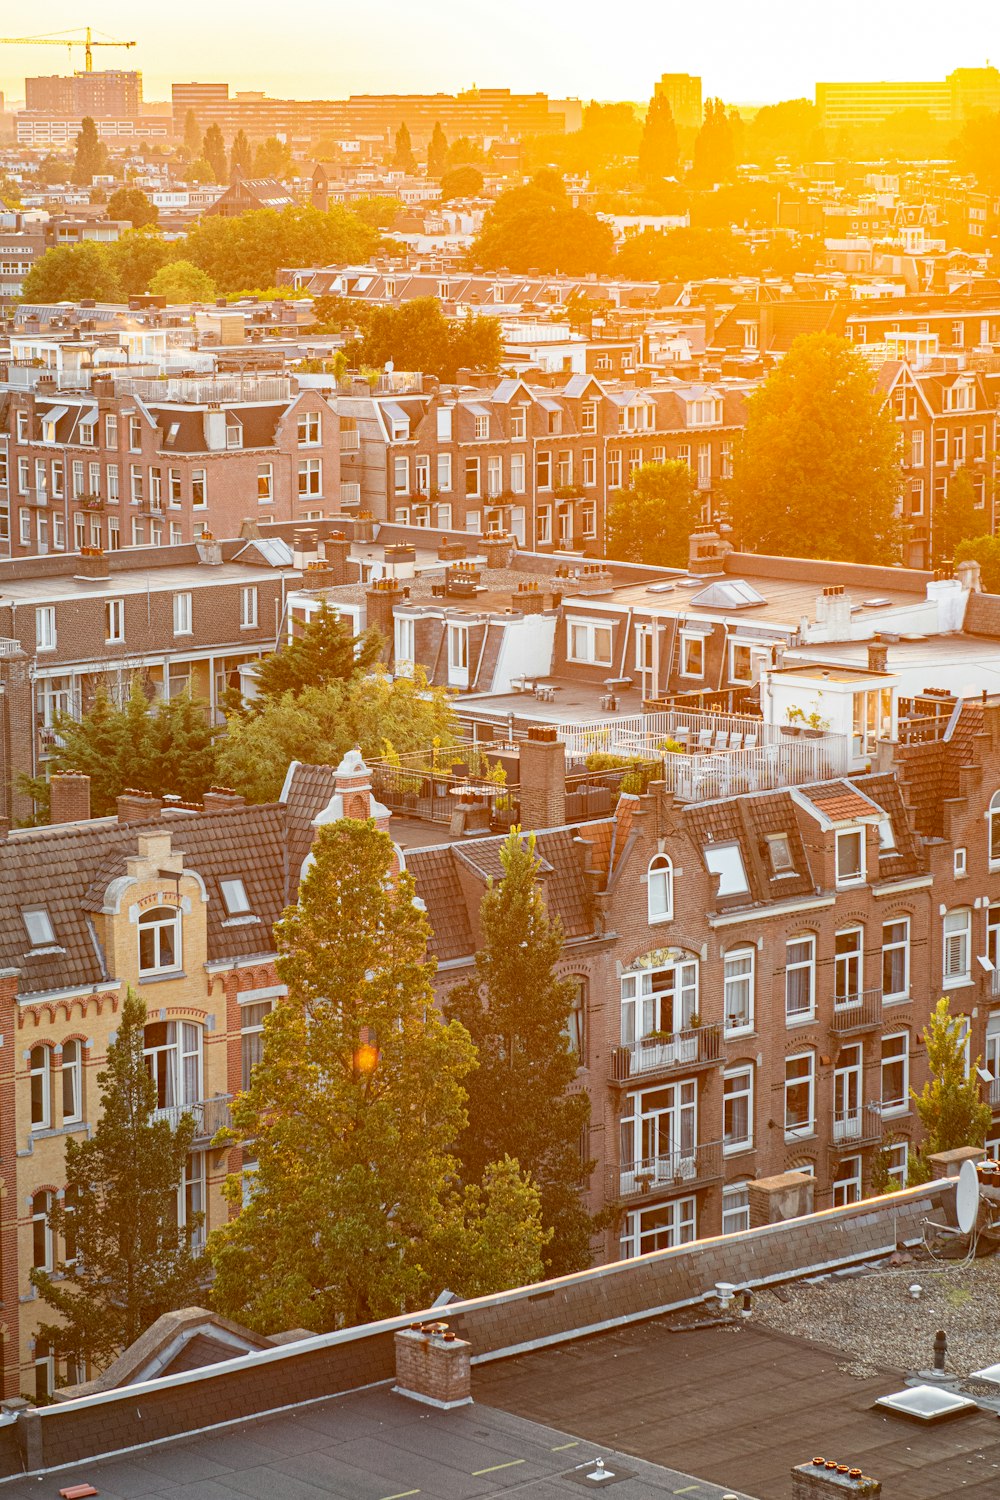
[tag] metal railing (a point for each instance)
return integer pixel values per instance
(857, 1012)
(678, 1051)
(199, 392)
(994, 1094)
(210, 1115)
(435, 795)
(792, 762)
(669, 1171)
(859, 1126)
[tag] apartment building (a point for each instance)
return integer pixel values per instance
(965, 93)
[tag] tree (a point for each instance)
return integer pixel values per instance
(182, 748)
(320, 725)
(273, 158)
(192, 135)
(91, 154)
(658, 148)
(683, 254)
(714, 146)
(517, 1013)
(248, 250)
(985, 550)
(213, 149)
(437, 152)
(950, 1108)
(69, 273)
(200, 170)
(461, 182)
(817, 470)
(418, 336)
(463, 152)
(181, 281)
(352, 1110)
(651, 519)
(136, 257)
(404, 158)
(957, 517)
(127, 1262)
(240, 155)
(535, 228)
(325, 651)
(132, 204)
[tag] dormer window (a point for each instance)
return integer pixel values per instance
(482, 427)
(159, 940)
(234, 432)
(726, 861)
(779, 848)
(235, 897)
(886, 836)
(38, 925)
(851, 856)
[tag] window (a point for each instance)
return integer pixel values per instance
(38, 925)
(780, 850)
(614, 468)
(199, 486)
(726, 861)
(847, 1182)
(659, 1001)
(588, 520)
(800, 977)
(111, 430)
(191, 1198)
(494, 477)
(172, 1050)
(660, 889)
(482, 428)
(114, 621)
(135, 434)
(738, 984)
(692, 655)
(23, 476)
(517, 473)
(851, 857)
(70, 1208)
(45, 628)
(311, 478)
(182, 614)
(159, 940)
(472, 476)
(897, 1160)
(895, 1073)
(265, 484)
(135, 472)
(234, 431)
(957, 947)
(235, 896)
(590, 642)
(174, 487)
(588, 416)
(576, 1022)
(564, 467)
(42, 1238)
(800, 1092)
(896, 959)
(309, 428)
(848, 966)
(735, 1208)
(112, 483)
(658, 1131)
(252, 1018)
(960, 862)
(660, 1228)
(72, 1083)
(993, 817)
(737, 1110)
(518, 424)
(589, 469)
(248, 607)
(444, 471)
(444, 424)
(543, 525)
(458, 655)
(40, 1070)
(57, 478)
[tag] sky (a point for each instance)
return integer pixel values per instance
(750, 51)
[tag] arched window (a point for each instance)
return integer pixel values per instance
(159, 940)
(576, 1021)
(994, 821)
(660, 889)
(72, 1082)
(41, 1088)
(41, 1232)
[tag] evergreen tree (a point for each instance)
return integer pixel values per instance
(658, 148)
(241, 155)
(714, 147)
(437, 152)
(324, 652)
(213, 149)
(517, 1013)
(352, 1111)
(91, 154)
(652, 517)
(192, 134)
(404, 157)
(126, 1261)
(182, 748)
(950, 1108)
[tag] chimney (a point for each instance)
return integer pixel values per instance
(529, 598)
(337, 550)
(878, 654)
(209, 550)
(222, 799)
(826, 1479)
(381, 597)
(833, 609)
(69, 793)
(138, 807)
(542, 778)
(707, 552)
(789, 1195)
(499, 550)
(968, 574)
(215, 428)
(434, 1366)
(92, 565)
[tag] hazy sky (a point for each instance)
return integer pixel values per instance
(743, 50)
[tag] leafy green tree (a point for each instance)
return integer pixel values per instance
(200, 170)
(68, 273)
(91, 154)
(461, 182)
(248, 250)
(325, 651)
(949, 1105)
(136, 257)
(658, 148)
(651, 519)
(985, 550)
(714, 147)
(213, 149)
(684, 254)
(788, 128)
(956, 518)
(403, 157)
(240, 155)
(126, 1260)
(273, 158)
(517, 1013)
(352, 1112)
(378, 211)
(182, 748)
(817, 469)
(417, 336)
(192, 135)
(131, 203)
(463, 152)
(536, 228)
(182, 281)
(437, 152)
(320, 725)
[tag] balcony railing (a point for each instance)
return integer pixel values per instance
(210, 1115)
(674, 1052)
(669, 1172)
(861, 1012)
(994, 1094)
(860, 1126)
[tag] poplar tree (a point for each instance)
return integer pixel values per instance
(214, 151)
(354, 1212)
(404, 157)
(126, 1261)
(658, 148)
(517, 1012)
(241, 155)
(91, 155)
(437, 152)
(949, 1104)
(192, 134)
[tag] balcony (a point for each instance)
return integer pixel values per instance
(37, 498)
(677, 1170)
(667, 1052)
(860, 1126)
(861, 1012)
(210, 1115)
(993, 1094)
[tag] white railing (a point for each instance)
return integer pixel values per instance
(792, 762)
(209, 1115)
(212, 389)
(643, 734)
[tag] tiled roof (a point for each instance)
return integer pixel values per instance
(309, 792)
(907, 858)
(440, 889)
(982, 615)
(838, 801)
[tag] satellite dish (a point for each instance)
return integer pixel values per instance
(967, 1197)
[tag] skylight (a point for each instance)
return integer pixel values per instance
(726, 861)
(235, 896)
(781, 853)
(38, 926)
(729, 593)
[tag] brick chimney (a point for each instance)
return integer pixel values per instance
(499, 550)
(878, 654)
(543, 779)
(69, 793)
(381, 597)
(138, 807)
(92, 564)
(434, 1366)
(789, 1195)
(222, 799)
(337, 549)
(707, 552)
(826, 1479)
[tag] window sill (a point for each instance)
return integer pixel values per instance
(740, 1149)
(808, 1020)
(896, 999)
(894, 1112)
(805, 1133)
(967, 983)
(162, 978)
(737, 1033)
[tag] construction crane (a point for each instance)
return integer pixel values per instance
(64, 41)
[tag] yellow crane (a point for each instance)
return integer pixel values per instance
(64, 41)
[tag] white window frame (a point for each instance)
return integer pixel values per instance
(156, 925)
(41, 1211)
(737, 1091)
(586, 632)
(40, 1091)
(115, 622)
(900, 1058)
(660, 889)
(739, 982)
(807, 1127)
(854, 873)
(692, 655)
(248, 607)
(183, 614)
(71, 1081)
(46, 638)
(898, 943)
(735, 1208)
(310, 429)
(805, 964)
(680, 1216)
(848, 966)
(847, 1182)
(956, 948)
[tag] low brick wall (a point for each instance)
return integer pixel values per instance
(497, 1326)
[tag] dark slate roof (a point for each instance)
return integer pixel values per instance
(259, 425)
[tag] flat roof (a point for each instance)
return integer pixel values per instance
(786, 600)
(138, 580)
